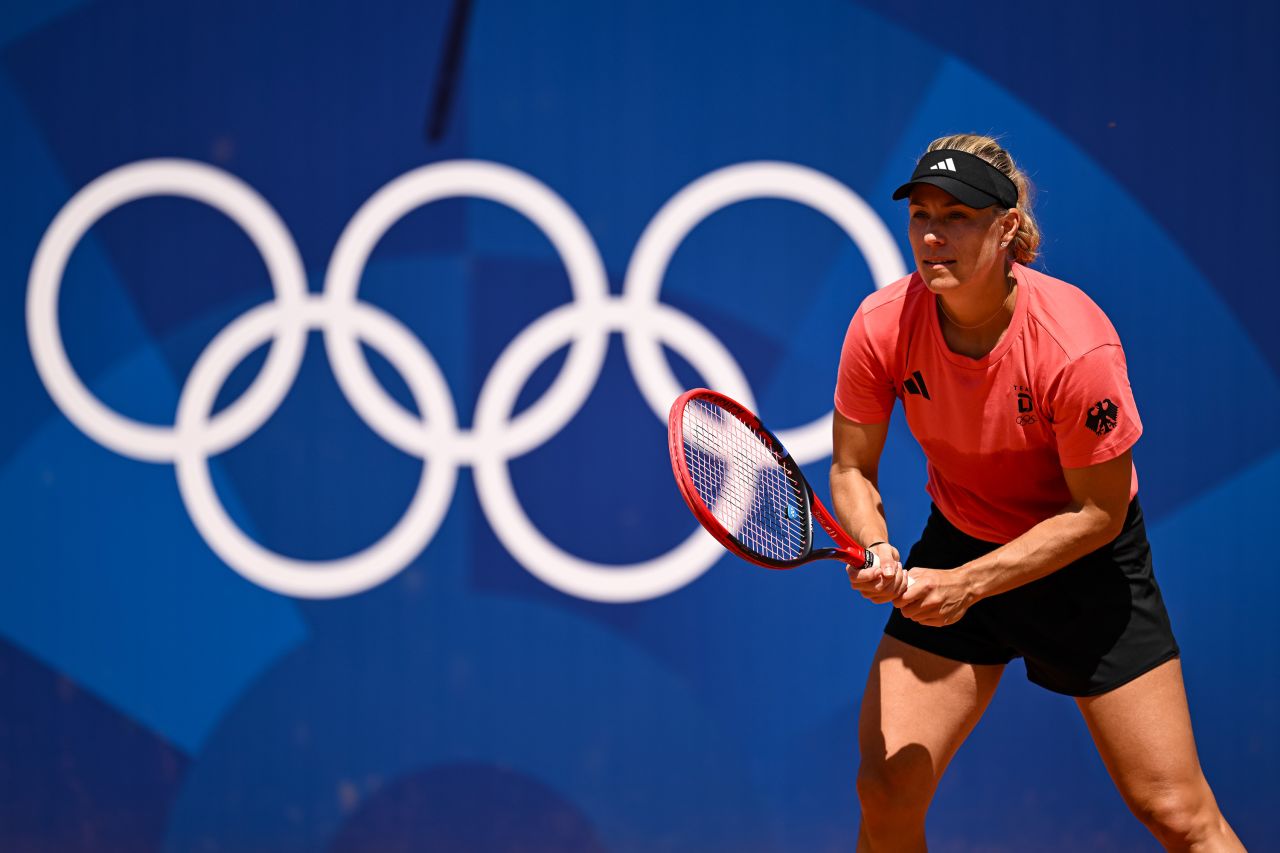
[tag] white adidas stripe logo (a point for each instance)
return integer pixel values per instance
(947, 165)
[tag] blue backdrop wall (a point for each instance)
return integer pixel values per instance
(337, 341)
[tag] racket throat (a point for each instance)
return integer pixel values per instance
(859, 558)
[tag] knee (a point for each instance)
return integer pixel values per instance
(1180, 816)
(895, 791)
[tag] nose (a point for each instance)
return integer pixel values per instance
(933, 238)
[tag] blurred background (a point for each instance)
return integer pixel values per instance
(422, 580)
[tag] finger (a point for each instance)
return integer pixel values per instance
(862, 574)
(888, 593)
(942, 618)
(929, 618)
(914, 590)
(873, 594)
(918, 608)
(863, 584)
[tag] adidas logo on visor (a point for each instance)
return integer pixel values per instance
(947, 165)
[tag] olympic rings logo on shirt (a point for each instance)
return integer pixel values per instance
(495, 436)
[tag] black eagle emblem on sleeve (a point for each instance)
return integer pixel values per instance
(1102, 416)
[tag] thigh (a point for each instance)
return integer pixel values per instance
(1143, 733)
(919, 707)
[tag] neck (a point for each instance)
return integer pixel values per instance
(977, 306)
(984, 319)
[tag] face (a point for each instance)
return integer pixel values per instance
(955, 244)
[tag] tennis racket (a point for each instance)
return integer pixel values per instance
(746, 490)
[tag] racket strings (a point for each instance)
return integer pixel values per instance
(740, 479)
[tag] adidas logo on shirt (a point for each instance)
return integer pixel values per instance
(914, 384)
(947, 165)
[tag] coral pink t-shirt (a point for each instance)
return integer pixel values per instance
(998, 430)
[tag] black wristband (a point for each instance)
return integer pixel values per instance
(874, 544)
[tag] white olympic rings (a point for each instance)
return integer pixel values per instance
(435, 437)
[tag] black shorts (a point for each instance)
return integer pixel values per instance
(1085, 629)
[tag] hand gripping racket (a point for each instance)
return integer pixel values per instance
(746, 490)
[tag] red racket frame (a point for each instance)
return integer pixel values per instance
(846, 550)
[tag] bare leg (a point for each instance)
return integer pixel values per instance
(917, 710)
(1143, 732)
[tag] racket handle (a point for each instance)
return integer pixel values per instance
(873, 562)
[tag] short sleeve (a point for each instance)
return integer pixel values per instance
(864, 389)
(1095, 417)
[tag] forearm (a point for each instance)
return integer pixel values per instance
(1053, 543)
(857, 503)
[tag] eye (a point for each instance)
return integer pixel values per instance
(917, 214)
(957, 214)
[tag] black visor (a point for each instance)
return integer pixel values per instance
(972, 180)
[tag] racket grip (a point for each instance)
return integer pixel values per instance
(873, 562)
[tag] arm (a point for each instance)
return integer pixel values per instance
(1094, 516)
(855, 466)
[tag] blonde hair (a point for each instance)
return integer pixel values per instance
(1027, 241)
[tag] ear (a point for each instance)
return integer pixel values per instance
(1009, 224)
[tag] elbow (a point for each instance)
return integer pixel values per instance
(1111, 531)
(1104, 524)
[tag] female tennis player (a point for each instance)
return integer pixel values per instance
(1016, 387)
